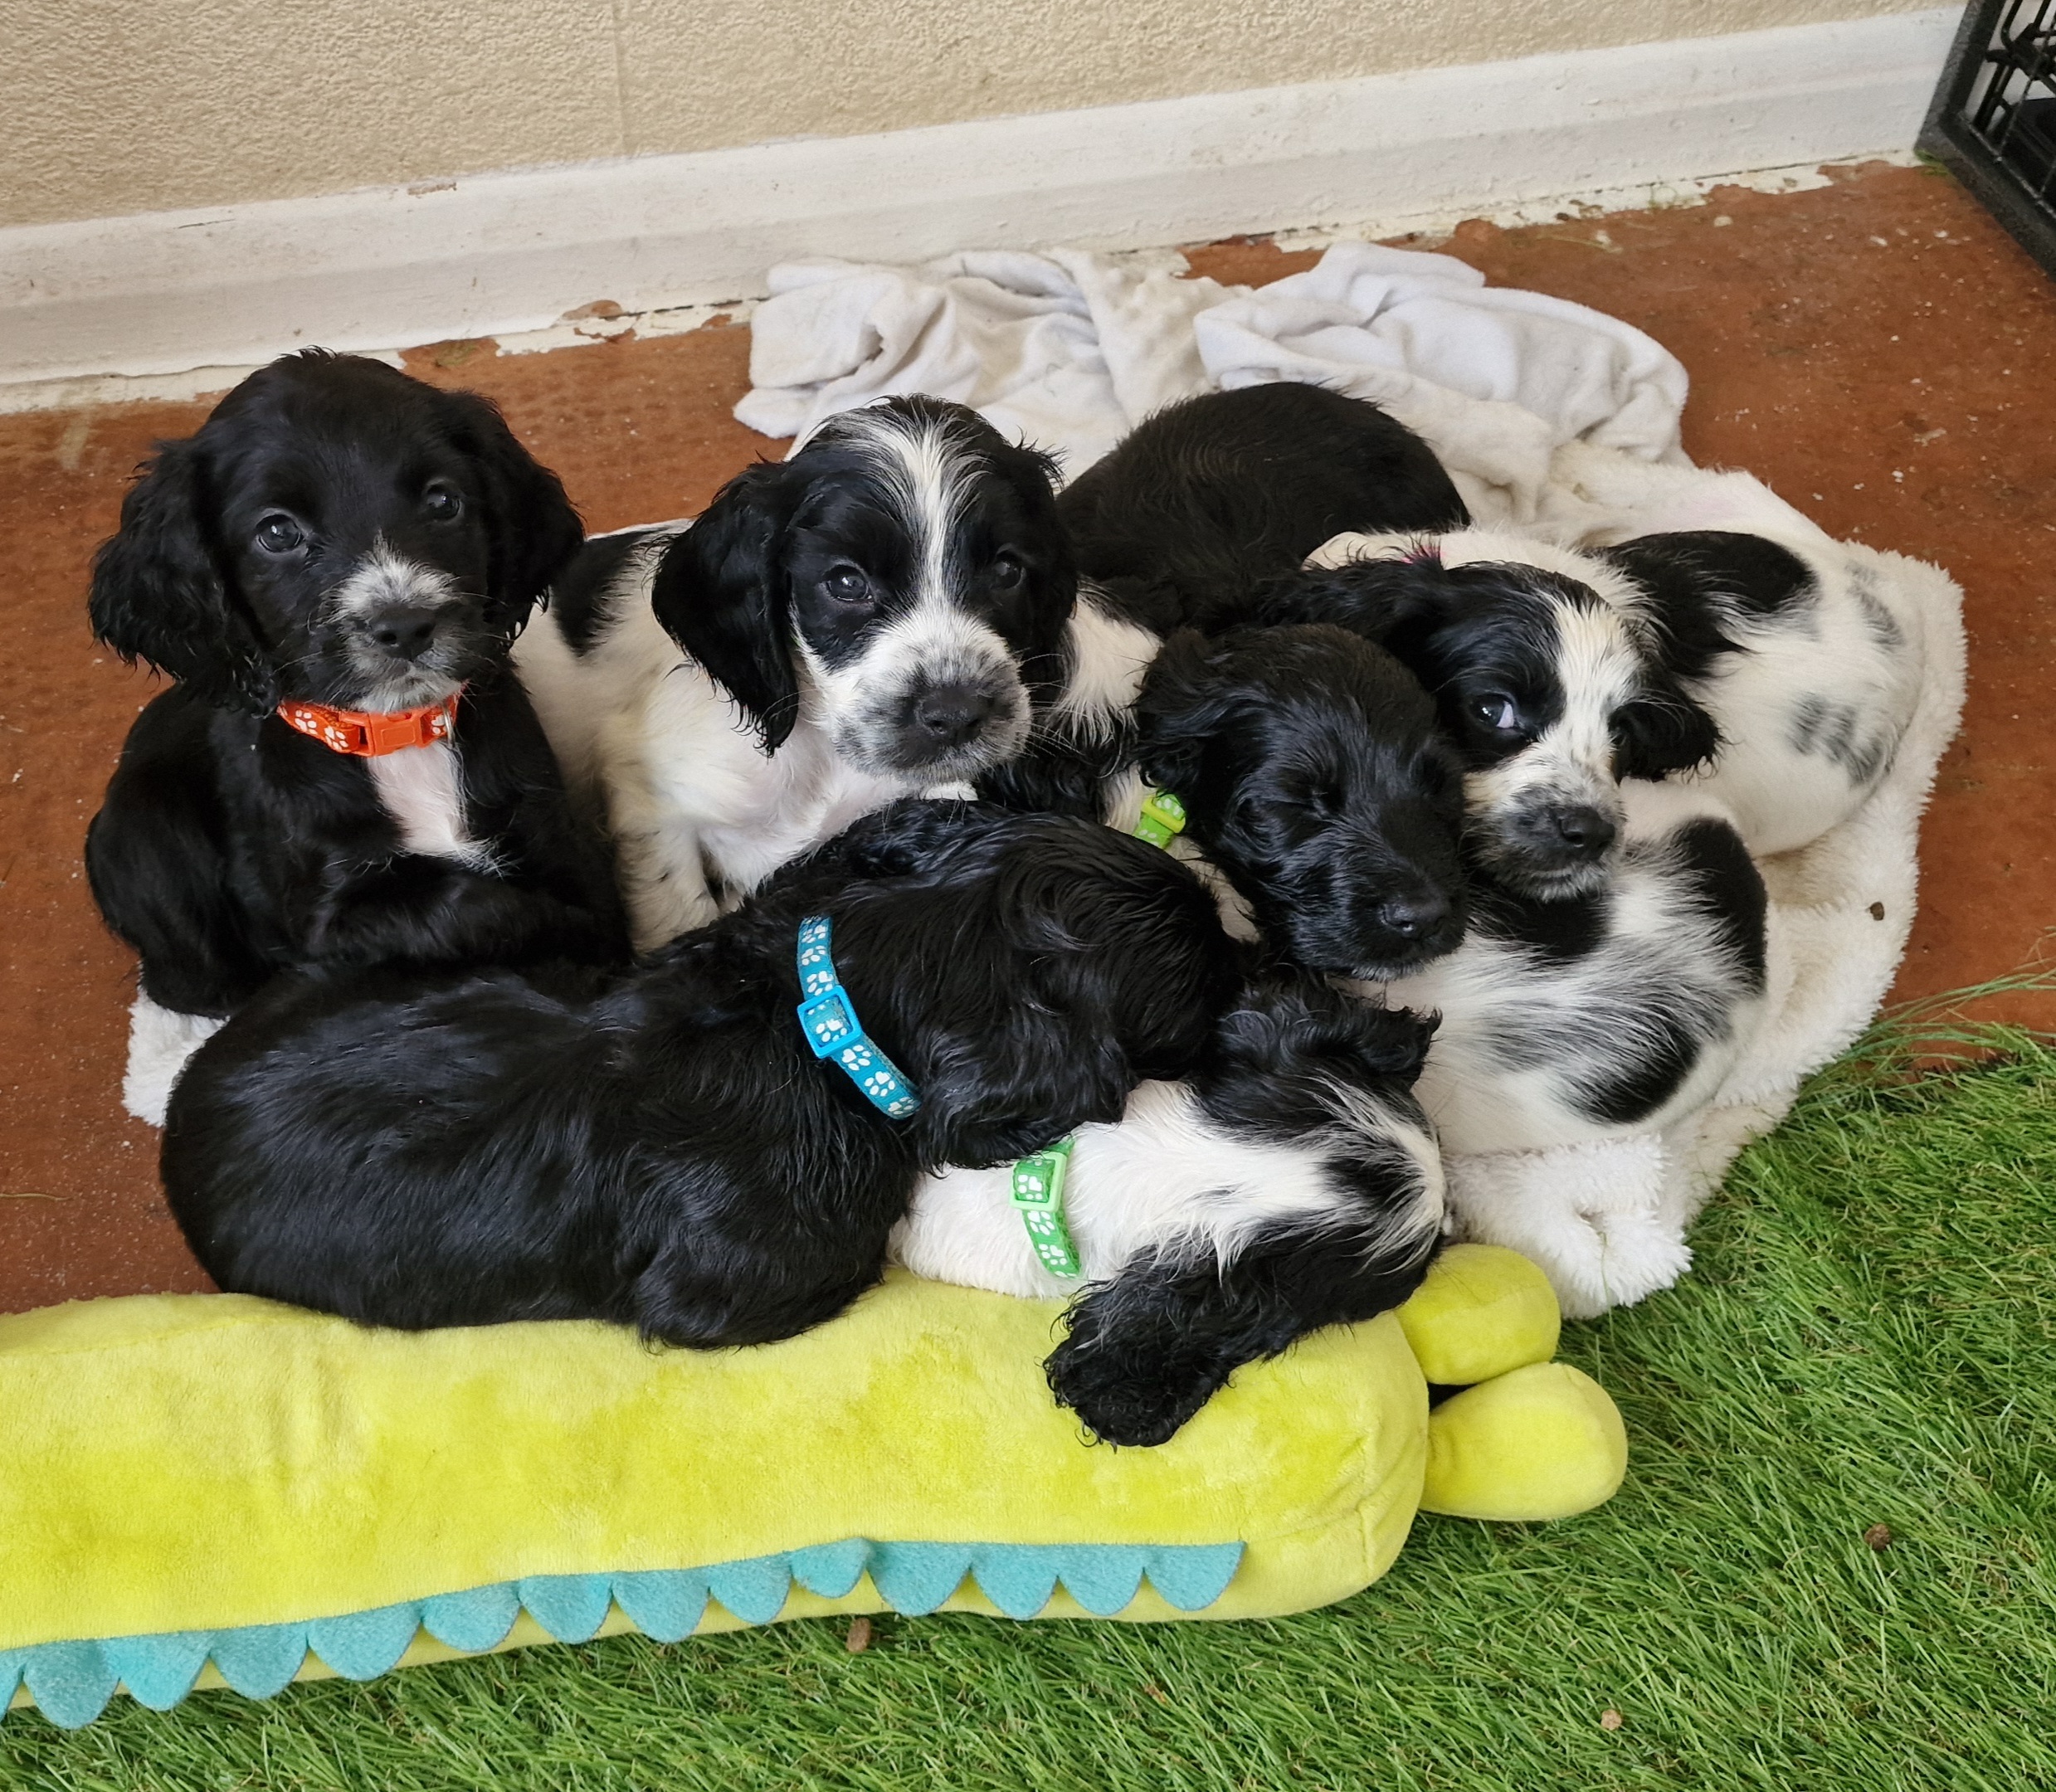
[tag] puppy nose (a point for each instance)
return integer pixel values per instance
(951, 712)
(1411, 916)
(406, 632)
(1583, 829)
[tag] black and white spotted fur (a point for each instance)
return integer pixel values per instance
(1572, 1020)
(1291, 1183)
(1547, 677)
(1807, 653)
(881, 614)
(336, 532)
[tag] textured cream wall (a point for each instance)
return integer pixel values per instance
(112, 106)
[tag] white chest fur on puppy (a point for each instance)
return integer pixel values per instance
(698, 809)
(1605, 1018)
(421, 788)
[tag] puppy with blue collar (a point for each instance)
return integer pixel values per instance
(714, 1147)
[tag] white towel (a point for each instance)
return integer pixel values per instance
(1549, 417)
(1070, 350)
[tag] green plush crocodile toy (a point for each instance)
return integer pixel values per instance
(210, 1489)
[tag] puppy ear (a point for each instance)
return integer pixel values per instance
(534, 530)
(1381, 599)
(1662, 730)
(721, 596)
(159, 594)
(1183, 704)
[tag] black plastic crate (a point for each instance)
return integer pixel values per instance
(1994, 120)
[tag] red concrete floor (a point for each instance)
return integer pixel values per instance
(1877, 350)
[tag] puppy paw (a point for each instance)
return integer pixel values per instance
(1587, 1217)
(1125, 1398)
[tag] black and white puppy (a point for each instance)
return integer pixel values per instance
(880, 615)
(659, 1148)
(1547, 675)
(1321, 799)
(1291, 1183)
(1578, 1020)
(1201, 505)
(336, 537)
(1807, 653)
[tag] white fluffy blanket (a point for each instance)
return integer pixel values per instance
(1550, 418)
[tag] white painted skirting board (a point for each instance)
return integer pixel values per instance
(502, 253)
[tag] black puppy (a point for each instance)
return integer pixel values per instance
(1201, 505)
(1317, 788)
(347, 770)
(661, 1148)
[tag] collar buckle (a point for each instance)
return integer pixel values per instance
(828, 1019)
(1038, 1196)
(369, 733)
(1162, 818)
(829, 1023)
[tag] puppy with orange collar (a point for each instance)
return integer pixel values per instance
(347, 770)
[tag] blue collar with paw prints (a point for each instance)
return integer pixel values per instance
(828, 1020)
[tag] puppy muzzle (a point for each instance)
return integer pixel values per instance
(1550, 851)
(944, 729)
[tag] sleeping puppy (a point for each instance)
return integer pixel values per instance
(1573, 1020)
(1210, 499)
(1546, 676)
(1806, 652)
(1291, 1183)
(347, 770)
(1320, 799)
(880, 615)
(663, 1147)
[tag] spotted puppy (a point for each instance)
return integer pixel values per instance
(880, 615)
(1577, 1021)
(1290, 1183)
(1546, 676)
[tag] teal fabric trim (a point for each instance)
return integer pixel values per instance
(72, 1682)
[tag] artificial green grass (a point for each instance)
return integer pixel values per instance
(1869, 1337)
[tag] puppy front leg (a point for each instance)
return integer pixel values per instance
(163, 885)
(664, 884)
(426, 910)
(1151, 1347)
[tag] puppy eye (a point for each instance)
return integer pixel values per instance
(1498, 711)
(846, 584)
(439, 504)
(279, 534)
(1007, 571)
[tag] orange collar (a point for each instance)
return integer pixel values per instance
(366, 734)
